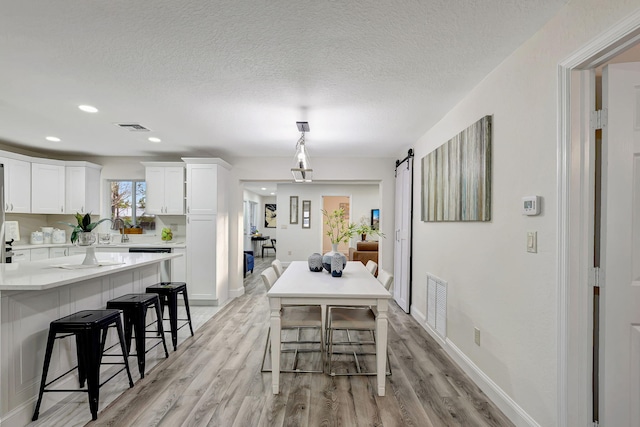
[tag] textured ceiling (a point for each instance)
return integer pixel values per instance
(231, 78)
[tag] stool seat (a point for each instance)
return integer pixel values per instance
(90, 329)
(134, 308)
(168, 293)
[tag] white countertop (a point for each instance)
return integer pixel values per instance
(154, 244)
(42, 275)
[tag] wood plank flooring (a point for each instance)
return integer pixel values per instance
(214, 379)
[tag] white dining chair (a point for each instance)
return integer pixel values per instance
(372, 266)
(295, 317)
(354, 319)
(277, 266)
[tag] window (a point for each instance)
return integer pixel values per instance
(128, 201)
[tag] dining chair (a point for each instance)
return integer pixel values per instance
(295, 317)
(372, 266)
(269, 246)
(354, 319)
(277, 266)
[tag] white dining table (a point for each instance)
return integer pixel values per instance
(357, 287)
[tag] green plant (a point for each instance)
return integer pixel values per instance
(84, 225)
(340, 230)
(364, 228)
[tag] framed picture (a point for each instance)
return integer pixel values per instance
(375, 219)
(293, 209)
(270, 215)
(306, 214)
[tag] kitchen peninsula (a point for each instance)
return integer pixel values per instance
(32, 294)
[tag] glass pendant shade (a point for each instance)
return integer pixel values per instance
(301, 169)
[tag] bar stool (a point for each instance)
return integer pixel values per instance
(168, 293)
(86, 326)
(134, 308)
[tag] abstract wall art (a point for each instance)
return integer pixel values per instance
(456, 177)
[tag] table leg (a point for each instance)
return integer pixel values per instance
(275, 344)
(381, 344)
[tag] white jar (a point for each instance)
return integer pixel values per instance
(47, 234)
(37, 238)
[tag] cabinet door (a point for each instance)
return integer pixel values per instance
(173, 190)
(179, 267)
(82, 190)
(47, 195)
(21, 255)
(202, 189)
(154, 177)
(57, 252)
(201, 257)
(38, 254)
(17, 185)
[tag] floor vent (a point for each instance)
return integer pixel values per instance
(133, 127)
(437, 305)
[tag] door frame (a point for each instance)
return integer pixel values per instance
(575, 171)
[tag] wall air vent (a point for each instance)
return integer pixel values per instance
(133, 127)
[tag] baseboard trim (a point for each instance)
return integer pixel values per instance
(499, 397)
(235, 293)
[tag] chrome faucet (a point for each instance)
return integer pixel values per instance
(118, 224)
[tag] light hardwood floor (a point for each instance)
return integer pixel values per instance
(214, 379)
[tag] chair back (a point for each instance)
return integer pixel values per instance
(277, 266)
(273, 243)
(269, 277)
(385, 278)
(372, 266)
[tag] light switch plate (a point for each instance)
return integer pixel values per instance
(532, 241)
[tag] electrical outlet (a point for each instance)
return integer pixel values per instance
(173, 227)
(477, 336)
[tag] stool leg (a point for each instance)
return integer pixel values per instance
(125, 354)
(82, 375)
(186, 305)
(128, 326)
(45, 370)
(91, 351)
(138, 320)
(173, 319)
(160, 327)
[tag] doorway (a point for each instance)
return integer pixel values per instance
(330, 204)
(578, 244)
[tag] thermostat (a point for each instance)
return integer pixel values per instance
(531, 205)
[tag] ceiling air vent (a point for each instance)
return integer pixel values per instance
(133, 127)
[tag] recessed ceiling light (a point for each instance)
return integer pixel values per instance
(263, 188)
(88, 108)
(53, 139)
(273, 194)
(154, 139)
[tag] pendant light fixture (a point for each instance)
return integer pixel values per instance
(301, 169)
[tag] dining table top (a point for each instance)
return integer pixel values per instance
(298, 281)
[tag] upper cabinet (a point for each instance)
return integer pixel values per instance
(17, 185)
(47, 187)
(82, 188)
(203, 186)
(165, 188)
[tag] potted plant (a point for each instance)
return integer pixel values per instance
(84, 226)
(364, 228)
(339, 231)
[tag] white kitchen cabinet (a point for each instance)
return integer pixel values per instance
(17, 185)
(21, 255)
(82, 188)
(47, 187)
(165, 188)
(38, 254)
(58, 252)
(179, 266)
(207, 230)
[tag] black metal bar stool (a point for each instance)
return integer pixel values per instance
(134, 308)
(87, 327)
(168, 292)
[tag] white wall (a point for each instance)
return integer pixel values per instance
(296, 243)
(494, 284)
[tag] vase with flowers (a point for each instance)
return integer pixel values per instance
(364, 229)
(339, 231)
(82, 233)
